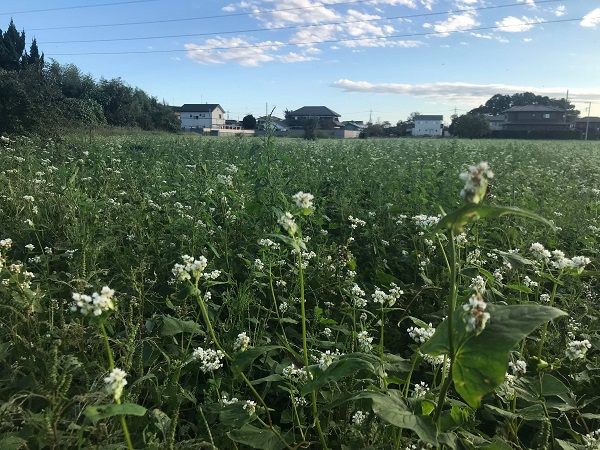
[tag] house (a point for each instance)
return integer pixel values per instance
(496, 122)
(277, 124)
(200, 116)
(353, 125)
(589, 124)
(428, 125)
(326, 117)
(535, 117)
(177, 111)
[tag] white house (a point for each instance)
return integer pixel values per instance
(428, 126)
(203, 115)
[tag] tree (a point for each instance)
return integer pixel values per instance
(310, 126)
(499, 103)
(12, 48)
(249, 122)
(470, 126)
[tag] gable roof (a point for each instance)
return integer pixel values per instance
(199, 107)
(315, 111)
(430, 117)
(534, 108)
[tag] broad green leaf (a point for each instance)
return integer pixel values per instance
(234, 415)
(13, 443)
(563, 445)
(344, 367)
(515, 259)
(533, 412)
(259, 438)
(456, 220)
(479, 364)
(394, 410)
(242, 360)
(498, 444)
(99, 412)
(173, 326)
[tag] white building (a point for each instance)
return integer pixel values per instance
(203, 115)
(428, 126)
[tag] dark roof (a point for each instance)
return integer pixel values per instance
(199, 107)
(593, 119)
(534, 108)
(315, 111)
(430, 117)
(176, 108)
(495, 118)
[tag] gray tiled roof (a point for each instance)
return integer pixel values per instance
(593, 119)
(534, 108)
(199, 107)
(430, 117)
(315, 111)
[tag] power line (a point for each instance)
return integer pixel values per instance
(75, 7)
(294, 27)
(326, 41)
(259, 12)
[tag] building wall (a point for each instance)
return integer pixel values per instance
(427, 128)
(213, 119)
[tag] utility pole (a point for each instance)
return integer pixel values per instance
(587, 125)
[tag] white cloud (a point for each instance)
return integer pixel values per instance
(235, 50)
(286, 12)
(559, 11)
(591, 19)
(293, 57)
(228, 8)
(381, 43)
(528, 2)
(456, 22)
(513, 24)
(468, 93)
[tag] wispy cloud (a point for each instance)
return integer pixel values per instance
(466, 93)
(591, 19)
(234, 50)
(456, 22)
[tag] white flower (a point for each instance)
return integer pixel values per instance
(355, 223)
(577, 349)
(30, 247)
(358, 418)
(250, 407)
(539, 251)
(592, 440)
(326, 360)
(475, 179)
(259, 265)
(303, 200)
(579, 262)
(115, 382)
(420, 390)
(545, 298)
(242, 342)
(210, 360)
(519, 367)
(364, 341)
(421, 335)
(95, 304)
(288, 223)
(475, 316)
(191, 267)
(477, 283)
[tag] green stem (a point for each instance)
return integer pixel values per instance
(545, 328)
(111, 363)
(313, 394)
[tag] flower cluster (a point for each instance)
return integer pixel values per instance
(296, 374)
(358, 418)
(425, 221)
(475, 314)
(420, 390)
(242, 342)
(191, 267)
(382, 298)
(95, 304)
(115, 382)
(269, 244)
(355, 223)
(519, 368)
(364, 341)
(250, 407)
(475, 179)
(303, 200)
(558, 258)
(421, 334)
(577, 349)
(210, 360)
(592, 440)
(288, 223)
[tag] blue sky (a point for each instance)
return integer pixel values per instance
(368, 58)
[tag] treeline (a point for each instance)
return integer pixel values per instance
(41, 97)
(499, 103)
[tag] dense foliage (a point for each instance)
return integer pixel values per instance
(499, 103)
(196, 292)
(39, 97)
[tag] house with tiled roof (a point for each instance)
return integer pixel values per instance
(326, 118)
(201, 116)
(536, 117)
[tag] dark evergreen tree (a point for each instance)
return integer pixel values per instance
(12, 48)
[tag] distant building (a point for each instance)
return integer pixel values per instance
(201, 116)
(431, 125)
(535, 117)
(592, 124)
(496, 122)
(276, 124)
(326, 117)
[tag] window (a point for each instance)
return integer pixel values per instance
(546, 116)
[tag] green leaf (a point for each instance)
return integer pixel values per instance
(515, 259)
(456, 220)
(242, 360)
(479, 364)
(99, 412)
(251, 436)
(344, 367)
(394, 410)
(13, 443)
(173, 326)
